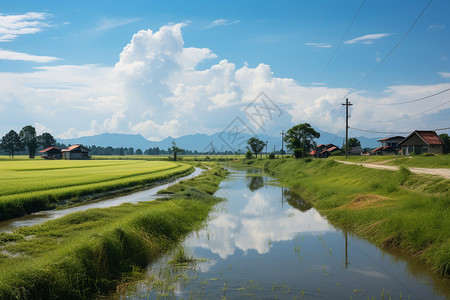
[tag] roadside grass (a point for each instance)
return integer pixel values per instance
(88, 254)
(393, 209)
(33, 185)
(419, 161)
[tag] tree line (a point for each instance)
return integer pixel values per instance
(26, 139)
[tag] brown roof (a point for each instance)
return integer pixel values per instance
(47, 149)
(428, 136)
(384, 148)
(391, 137)
(74, 147)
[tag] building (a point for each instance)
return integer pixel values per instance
(392, 141)
(388, 150)
(76, 152)
(357, 150)
(328, 150)
(51, 153)
(422, 141)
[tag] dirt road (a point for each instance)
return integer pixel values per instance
(429, 171)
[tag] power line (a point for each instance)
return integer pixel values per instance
(410, 101)
(395, 132)
(392, 50)
(410, 116)
(340, 42)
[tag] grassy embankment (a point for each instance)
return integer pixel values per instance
(419, 161)
(396, 210)
(32, 185)
(87, 254)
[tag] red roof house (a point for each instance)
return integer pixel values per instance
(51, 153)
(76, 152)
(422, 141)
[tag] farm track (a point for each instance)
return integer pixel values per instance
(445, 173)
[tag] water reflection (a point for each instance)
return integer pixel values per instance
(269, 243)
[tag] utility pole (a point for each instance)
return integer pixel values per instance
(346, 104)
(282, 143)
(267, 142)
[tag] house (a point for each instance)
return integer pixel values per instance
(422, 141)
(355, 150)
(51, 153)
(388, 150)
(76, 152)
(316, 151)
(328, 150)
(392, 141)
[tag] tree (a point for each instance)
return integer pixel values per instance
(353, 142)
(446, 139)
(46, 140)
(138, 152)
(301, 136)
(175, 150)
(255, 145)
(11, 143)
(29, 139)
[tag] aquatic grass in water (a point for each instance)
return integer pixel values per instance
(88, 253)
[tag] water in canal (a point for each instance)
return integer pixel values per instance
(266, 242)
(43, 216)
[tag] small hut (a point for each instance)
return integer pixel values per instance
(51, 153)
(76, 152)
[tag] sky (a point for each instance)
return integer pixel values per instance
(171, 68)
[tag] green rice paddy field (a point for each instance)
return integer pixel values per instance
(32, 185)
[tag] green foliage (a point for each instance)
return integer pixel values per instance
(446, 139)
(393, 209)
(298, 153)
(46, 140)
(84, 255)
(11, 143)
(34, 185)
(272, 156)
(29, 139)
(248, 155)
(255, 145)
(353, 142)
(301, 137)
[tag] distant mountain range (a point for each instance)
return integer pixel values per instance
(220, 141)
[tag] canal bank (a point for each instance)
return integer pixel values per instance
(89, 253)
(398, 211)
(267, 242)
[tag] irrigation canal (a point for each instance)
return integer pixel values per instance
(42, 216)
(265, 242)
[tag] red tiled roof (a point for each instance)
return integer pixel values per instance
(376, 149)
(332, 149)
(384, 148)
(47, 149)
(430, 137)
(313, 152)
(321, 145)
(392, 137)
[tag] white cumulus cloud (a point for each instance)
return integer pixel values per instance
(157, 89)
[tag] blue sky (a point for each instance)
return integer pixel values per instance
(65, 66)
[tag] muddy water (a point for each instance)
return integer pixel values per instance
(265, 242)
(42, 216)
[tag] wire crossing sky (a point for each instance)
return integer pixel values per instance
(159, 69)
